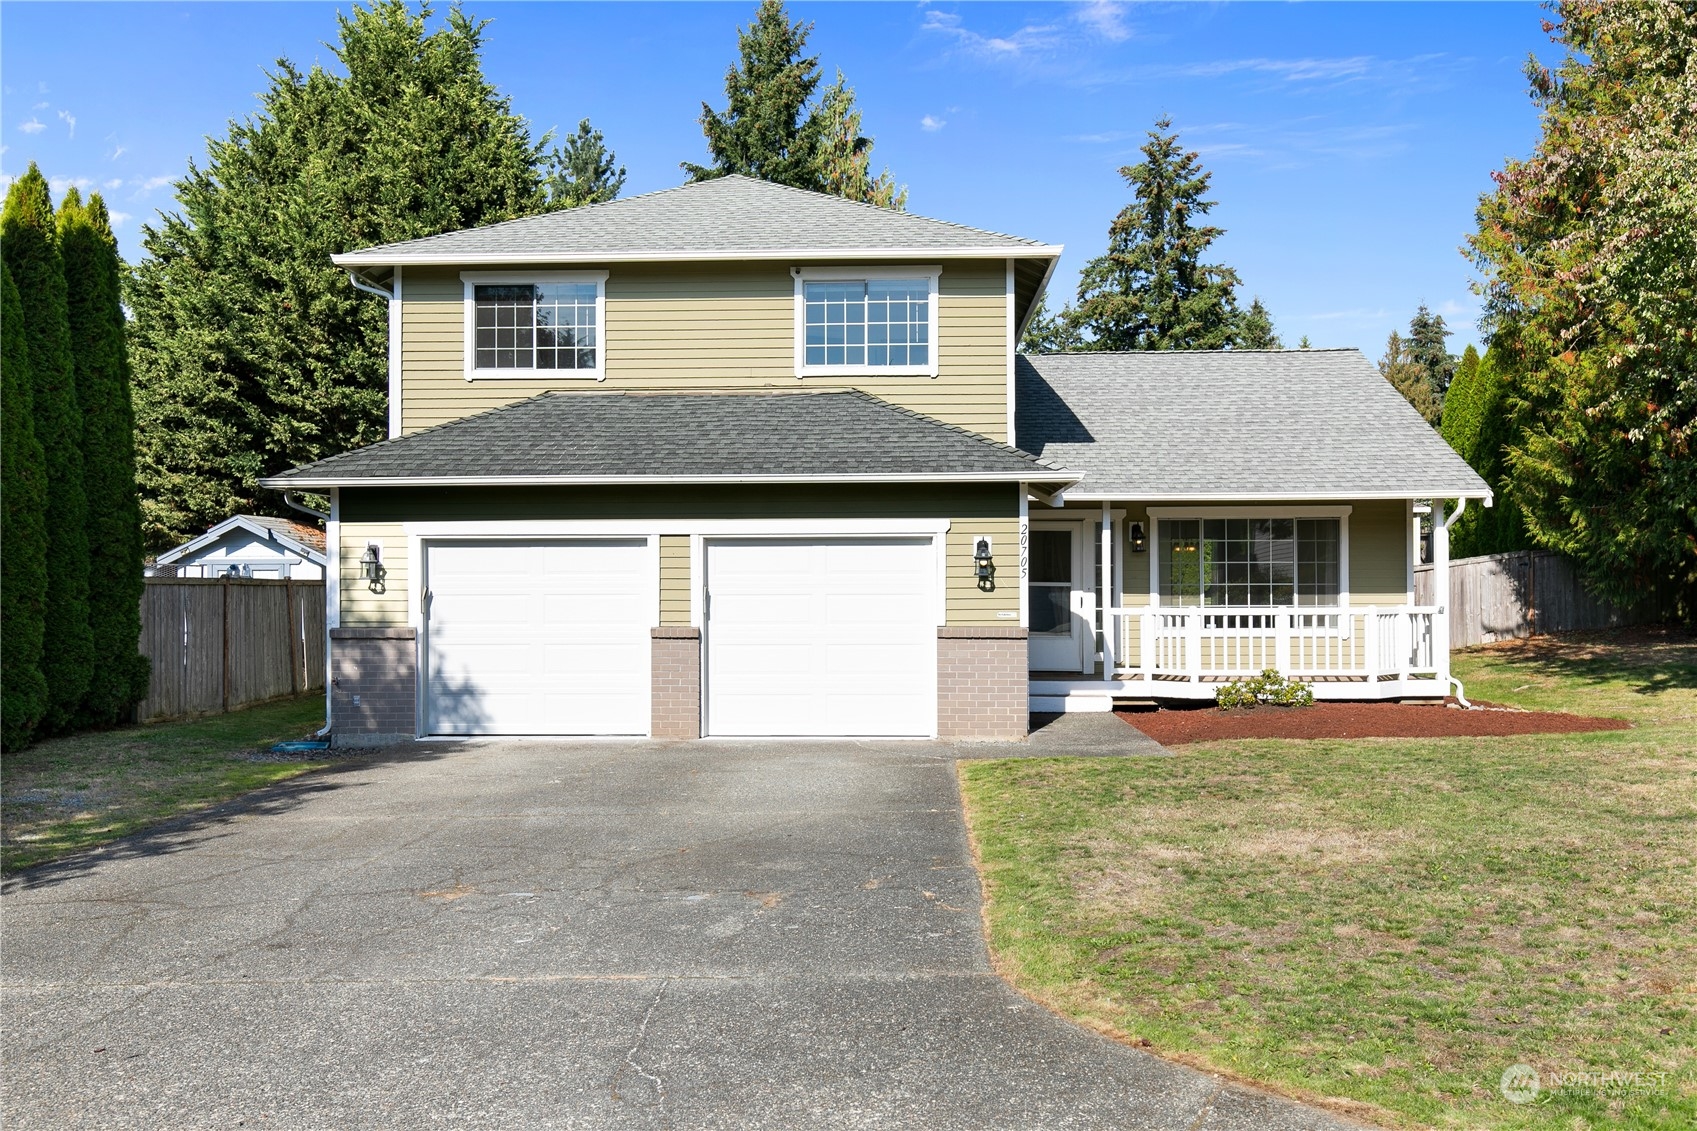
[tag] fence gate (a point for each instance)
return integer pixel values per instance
(217, 644)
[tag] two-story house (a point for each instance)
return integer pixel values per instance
(735, 459)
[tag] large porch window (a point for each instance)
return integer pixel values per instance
(1250, 562)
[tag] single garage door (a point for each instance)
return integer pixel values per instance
(538, 637)
(822, 637)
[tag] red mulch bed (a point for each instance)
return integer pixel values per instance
(1172, 726)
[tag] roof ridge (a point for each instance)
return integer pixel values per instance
(878, 208)
(1188, 352)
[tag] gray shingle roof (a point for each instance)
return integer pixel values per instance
(1240, 424)
(673, 437)
(731, 217)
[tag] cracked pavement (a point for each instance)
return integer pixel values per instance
(560, 934)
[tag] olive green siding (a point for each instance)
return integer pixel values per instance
(674, 580)
(972, 510)
(707, 327)
(365, 605)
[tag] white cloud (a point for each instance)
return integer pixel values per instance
(1292, 70)
(153, 183)
(1351, 316)
(113, 184)
(1028, 39)
(117, 152)
(931, 125)
(60, 184)
(1106, 18)
(31, 127)
(119, 219)
(70, 120)
(41, 106)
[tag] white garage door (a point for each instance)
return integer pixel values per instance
(822, 637)
(538, 637)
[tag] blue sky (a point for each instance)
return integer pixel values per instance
(1348, 142)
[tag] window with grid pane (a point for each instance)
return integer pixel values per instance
(535, 325)
(870, 323)
(1250, 562)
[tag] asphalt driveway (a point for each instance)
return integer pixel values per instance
(512, 935)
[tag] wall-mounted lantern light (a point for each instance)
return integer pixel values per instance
(1138, 542)
(371, 566)
(982, 564)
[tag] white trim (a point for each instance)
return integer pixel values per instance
(241, 522)
(470, 279)
(1106, 587)
(333, 599)
(395, 320)
(1259, 497)
(1154, 535)
(1042, 289)
(1078, 523)
(379, 258)
(697, 603)
(1013, 347)
(298, 483)
(712, 527)
(803, 275)
(1411, 531)
(1024, 560)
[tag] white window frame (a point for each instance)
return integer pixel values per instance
(1157, 514)
(471, 280)
(804, 275)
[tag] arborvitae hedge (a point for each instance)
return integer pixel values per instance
(23, 535)
(29, 244)
(90, 255)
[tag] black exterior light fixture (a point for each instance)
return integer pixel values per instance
(371, 566)
(982, 564)
(1138, 542)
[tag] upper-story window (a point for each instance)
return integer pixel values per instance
(534, 324)
(854, 321)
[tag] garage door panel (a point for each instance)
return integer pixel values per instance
(821, 637)
(538, 637)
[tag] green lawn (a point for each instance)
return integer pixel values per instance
(1385, 923)
(68, 794)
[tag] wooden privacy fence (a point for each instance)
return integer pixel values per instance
(221, 643)
(1522, 594)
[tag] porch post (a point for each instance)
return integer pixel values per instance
(1107, 587)
(1440, 588)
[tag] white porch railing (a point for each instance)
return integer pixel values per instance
(1365, 643)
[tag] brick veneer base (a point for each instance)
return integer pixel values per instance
(982, 683)
(676, 675)
(379, 666)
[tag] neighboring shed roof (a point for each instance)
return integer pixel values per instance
(731, 217)
(601, 438)
(1237, 424)
(305, 539)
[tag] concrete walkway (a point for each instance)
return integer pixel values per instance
(597, 934)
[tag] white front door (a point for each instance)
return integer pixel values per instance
(1059, 619)
(821, 636)
(546, 637)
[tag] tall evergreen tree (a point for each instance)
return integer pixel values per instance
(1589, 252)
(1408, 377)
(23, 534)
(30, 246)
(1255, 329)
(101, 365)
(583, 170)
(1151, 291)
(251, 351)
(1426, 336)
(1478, 424)
(1050, 333)
(845, 154)
(768, 128)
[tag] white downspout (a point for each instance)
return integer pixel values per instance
(1107, 590)
(1441, 592)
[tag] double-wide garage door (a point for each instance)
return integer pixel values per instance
(804, 637)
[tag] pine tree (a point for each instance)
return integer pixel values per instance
(1304, 343)
(767, 130)
(23, 535)
(1478, 424)
(101, 365)
(1050, 333)
(845, 155)
(1426, 335)
(583, 170)
(31, 250)
(1255, 329)
(1152, 291)
(1408, 377)
(251, 351)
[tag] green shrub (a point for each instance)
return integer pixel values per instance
(1269, 687)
